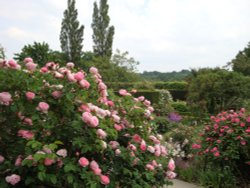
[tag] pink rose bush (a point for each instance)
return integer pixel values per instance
(226, 141)
(62, 127)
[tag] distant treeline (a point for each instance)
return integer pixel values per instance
(166, 76)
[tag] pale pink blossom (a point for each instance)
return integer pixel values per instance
(116, 118)
(171, 175)
(93, 70)
(111, 103)
(132, 147)
(141, 98)
(31, 66)
(83, 162)
(18, 161)
(171, 165)
(104, 180)
(57, 94)
(101, 133)
(13, 64)
(79, 76)
(28, 121)
(25, 134)
(94, 165)
(117, 151)
(13, 179)
(71, 77)
(151, 149)
(150, 167)
(30, 95)
(62, 153)
(44, 70)
(84, 84)
(102, 86)
(123, 92)
(70, 65)
(43, 107)
(118, 127)
(5, 98)
(97, 171)
(114, 144)
(28, 59)
(58, 74)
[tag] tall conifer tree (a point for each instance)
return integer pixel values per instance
(102, 32)
(71, 36)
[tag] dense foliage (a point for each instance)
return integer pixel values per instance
(213, 90)
(61, 127)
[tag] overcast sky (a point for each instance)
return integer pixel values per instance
(163, 35)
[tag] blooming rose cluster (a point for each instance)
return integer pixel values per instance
(89, 120)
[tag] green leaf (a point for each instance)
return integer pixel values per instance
(70, 178)
(53, 178)
(41, 176)
(58, 142)
(69, 167)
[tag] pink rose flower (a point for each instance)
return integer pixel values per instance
(84, 84)
(13, 64)
(30, 95)
(150, 167)
(18, 161)
(104, 180)
(13, 179)
(71, 77)
(83, 162)
(62, 153)
(94, 165)
(92, 121)
(114, 144)
(28, 59)
(171, 175)
(137, 138)
(43, 107)
(25, 134)
(31, 66)
(1, 159)
(143, 146)
(217, 154)
(141, 98)
(123, 92)
(116, 118)
(117, 151)
(44, 70)
(93, 70)
(70, 65)
(28, 121)
(56, 94)
(101, 133)
(48, 161)
(102, 86)
(196, 146)
(5, 98)
(118, 127)
(79, 76)
(110, 103)
(151, 149)
(171, 165)
(97, 171)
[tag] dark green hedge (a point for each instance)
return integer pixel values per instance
(178, 94)
(171, 85)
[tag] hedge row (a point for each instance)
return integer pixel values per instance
(177, 85)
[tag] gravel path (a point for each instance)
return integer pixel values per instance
(182, 184)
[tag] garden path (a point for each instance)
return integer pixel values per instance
(182, 184)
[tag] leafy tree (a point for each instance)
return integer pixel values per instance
(241, 63)
(165, 76)
(214, 90)
(71, 36)
(102, 32)
(2, 52)
(39, 52)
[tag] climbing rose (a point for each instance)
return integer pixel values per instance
(62, 153)
(105, 180)
(5, 98)
(83, 162)
(13, 179)
(48, 161)
(101, 133)
(43, 107)
(171, 165)
(30, 95)
(93, 70)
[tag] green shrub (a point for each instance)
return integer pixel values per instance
(180, 106)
